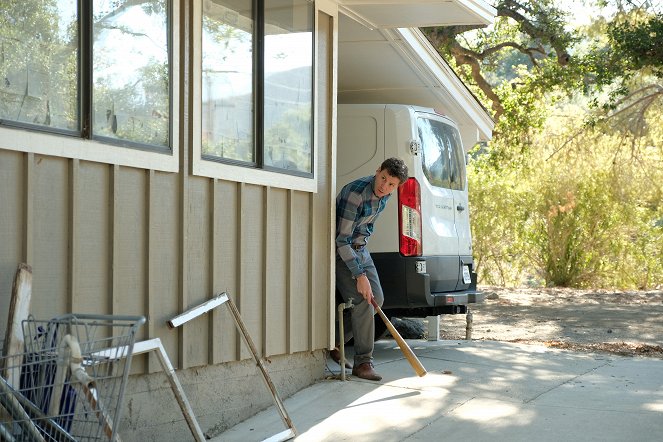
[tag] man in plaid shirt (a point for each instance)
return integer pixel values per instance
(358, 205)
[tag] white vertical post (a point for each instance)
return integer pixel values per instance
(433, 328)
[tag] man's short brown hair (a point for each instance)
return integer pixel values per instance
(396, 168)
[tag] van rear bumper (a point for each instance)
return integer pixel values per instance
(437, 290)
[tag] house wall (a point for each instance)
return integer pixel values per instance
(110, 239)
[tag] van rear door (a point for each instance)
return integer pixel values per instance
(444, 202)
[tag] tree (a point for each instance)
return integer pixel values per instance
(569, 190)
(531, 53)
(533, 29)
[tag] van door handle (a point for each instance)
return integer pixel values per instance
(460, 208)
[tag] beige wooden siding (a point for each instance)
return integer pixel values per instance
(51, 245)
(12, 224)
(225, 266)
(197, 268)
(276, 271)
(250, 252)
(300, 259)
(164, 264)
(110, 239)
(90, 222)
(129, 250)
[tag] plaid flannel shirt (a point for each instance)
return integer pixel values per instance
(357, 208)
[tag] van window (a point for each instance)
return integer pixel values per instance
(442, 154)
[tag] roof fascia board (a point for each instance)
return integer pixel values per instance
(483, 13)
(480, 9)
(357, 17)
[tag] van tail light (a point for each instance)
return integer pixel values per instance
(409, 218)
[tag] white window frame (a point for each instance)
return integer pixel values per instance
(69, 146)
(230, 172)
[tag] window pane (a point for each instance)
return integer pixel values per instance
(38, 63)
(288, 84)
(436, 151)
(227, 83)
(457, 160)
(131, 72)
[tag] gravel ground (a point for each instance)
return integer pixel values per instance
(626, 323)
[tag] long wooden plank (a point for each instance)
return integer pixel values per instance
(19, 309)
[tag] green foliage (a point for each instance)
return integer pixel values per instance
(583, 209)
(499, 202)
(531, 57)
(570, 190)
(574, 229)
(638, 39)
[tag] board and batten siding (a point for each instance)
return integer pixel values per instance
(106, 239)
(110, 239)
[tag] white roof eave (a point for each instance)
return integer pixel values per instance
(384, 14)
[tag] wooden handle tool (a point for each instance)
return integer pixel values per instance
(407, 351)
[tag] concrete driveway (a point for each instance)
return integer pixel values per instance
(477, 391)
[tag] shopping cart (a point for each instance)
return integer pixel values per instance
(68, 384)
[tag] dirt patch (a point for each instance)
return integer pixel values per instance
(625, 323)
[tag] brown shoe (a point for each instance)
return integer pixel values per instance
(336, 357)
(365, 371)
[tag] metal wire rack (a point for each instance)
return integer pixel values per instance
(68, 384)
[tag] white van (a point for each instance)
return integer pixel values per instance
(421, 245)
